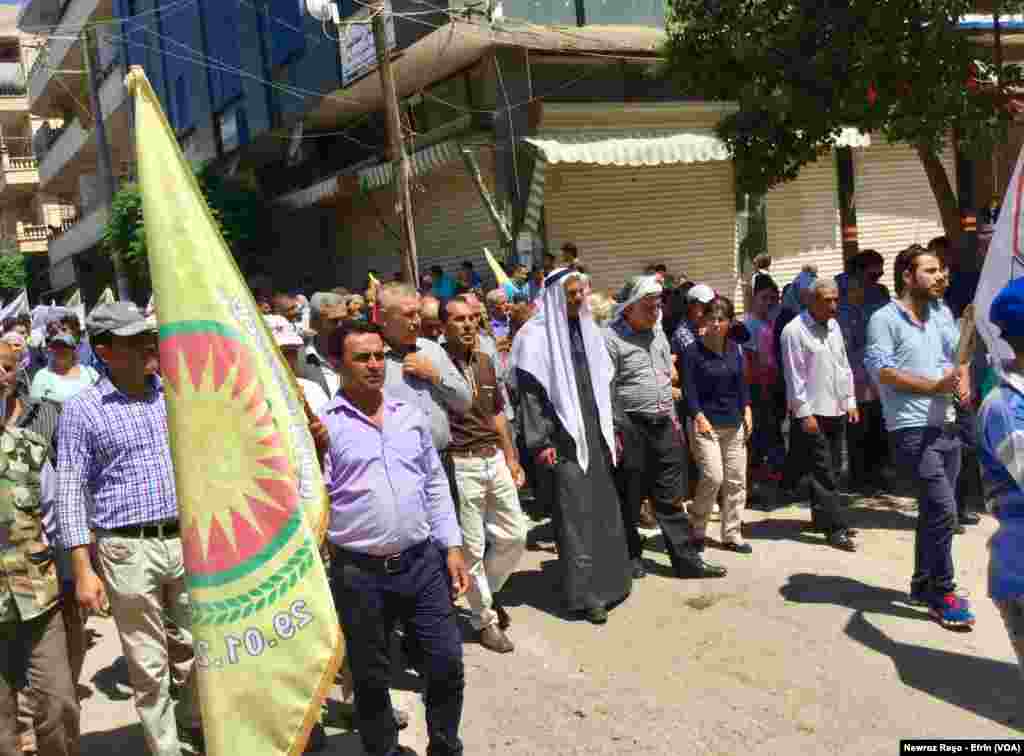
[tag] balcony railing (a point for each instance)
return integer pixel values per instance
(32, 239)
(12, 163)
(33, 232)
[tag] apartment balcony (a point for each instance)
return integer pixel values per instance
(72, 150)
(57, 77)
(33, 239)
(77, 235)
(18, 175)
(13, 97)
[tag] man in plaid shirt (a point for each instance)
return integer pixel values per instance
(115, 479)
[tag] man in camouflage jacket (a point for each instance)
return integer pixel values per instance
(33, 643)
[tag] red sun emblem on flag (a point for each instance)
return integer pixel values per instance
(238, 496)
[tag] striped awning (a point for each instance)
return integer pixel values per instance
(633, 148)
(630, 148)
(423, 161)
(374, 176)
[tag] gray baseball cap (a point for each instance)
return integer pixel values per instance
(119, 319)
(323, 299)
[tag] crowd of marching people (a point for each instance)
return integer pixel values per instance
(448, 416)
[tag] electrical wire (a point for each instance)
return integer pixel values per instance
(199, 58)
(48, 30)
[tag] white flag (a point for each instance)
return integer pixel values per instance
(1003, 263)
(18, 306)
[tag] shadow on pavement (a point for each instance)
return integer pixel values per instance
(540, 589)
(127, 739)
(881, 516)
(987, 687)
(778, 529)
(805, 588)
(542, 538)
(113, 681)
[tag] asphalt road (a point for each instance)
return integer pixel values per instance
(801, 649)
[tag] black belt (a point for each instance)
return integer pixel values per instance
(385, 565)
(648, 419)
(160, 530)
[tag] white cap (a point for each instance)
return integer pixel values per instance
(284, 332)
(700, 293)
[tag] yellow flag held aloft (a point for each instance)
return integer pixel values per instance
(499, 273)
(251, 498)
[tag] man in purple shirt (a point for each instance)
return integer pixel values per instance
(397, 547)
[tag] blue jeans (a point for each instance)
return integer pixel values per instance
(932, 456)
(370, 603)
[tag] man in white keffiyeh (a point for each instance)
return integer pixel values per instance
(564, 376)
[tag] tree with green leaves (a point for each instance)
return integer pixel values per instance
(13, 271)
(236, 204)
(802, 70)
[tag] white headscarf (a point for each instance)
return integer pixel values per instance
(635, 290)
(542, 348)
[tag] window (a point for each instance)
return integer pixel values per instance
(633, 12)
(233, 129)
(287, 38)
(560, 12)
(222, 30)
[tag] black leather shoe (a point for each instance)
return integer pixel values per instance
(738, 548)
(504, 621)
(968, 518)
(596, 615)
(639, 571)
(841, 540)
(695, 566)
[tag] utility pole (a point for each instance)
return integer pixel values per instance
(399, 157)
(106, 171)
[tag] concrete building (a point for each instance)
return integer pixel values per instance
(27, 216)
(550, 102)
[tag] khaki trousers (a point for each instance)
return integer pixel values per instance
(36, 652)
(722, 463)
(492, 522)
(145, 580)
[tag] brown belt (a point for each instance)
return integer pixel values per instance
(483, 452)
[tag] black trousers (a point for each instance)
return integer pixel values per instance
(817, 458)
(867, 444)
(370, 604)
(654, 464)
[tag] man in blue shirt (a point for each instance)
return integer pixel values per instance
(396, 545)
(1001, 453)
(911, 354)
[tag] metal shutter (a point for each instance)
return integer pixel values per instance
(623, 219)
(802, 219)
(452, 225)
(895, 204)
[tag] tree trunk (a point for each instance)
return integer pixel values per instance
(945, 197)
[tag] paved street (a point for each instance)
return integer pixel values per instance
(801, 649)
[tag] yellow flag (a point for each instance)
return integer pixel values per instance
(250, 493)
(499, 273)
